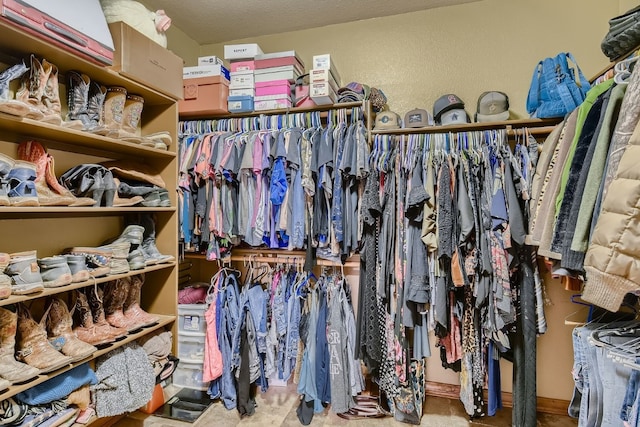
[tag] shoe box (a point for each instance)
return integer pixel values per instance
(76, 26)
(141, 59)
(204, 95)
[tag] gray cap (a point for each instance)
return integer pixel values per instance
(446, 103)
(493, 107)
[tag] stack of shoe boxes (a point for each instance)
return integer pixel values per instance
(275, 75)
(242, 85)
(206, 87)
(324, 79)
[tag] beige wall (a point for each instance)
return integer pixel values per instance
(467, 49)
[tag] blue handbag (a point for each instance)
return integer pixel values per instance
(556, 87)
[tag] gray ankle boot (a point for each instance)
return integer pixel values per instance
(55, 271)
(25, 273)
(78, 267)
(148, 246)
(77, 98)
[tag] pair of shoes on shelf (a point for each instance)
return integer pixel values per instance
(91, 180)
(141, 235)
(90, 324)
(122, 304)
(122, 112)
(51, 343)
(38, 97)
(29, 274)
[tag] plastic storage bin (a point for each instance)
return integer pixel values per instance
(191, 319)
(191, 348)
(189, 375)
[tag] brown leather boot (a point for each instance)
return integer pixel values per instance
(59, 328)
(10, 369)
(131, 114)
(113, 110)
(132, 310)
(95, 297)
(32, 345)
(115, 294)
(32, 87)
(51, 96)
(84, 327)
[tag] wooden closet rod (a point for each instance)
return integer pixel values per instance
(290, 260)
(542, 130)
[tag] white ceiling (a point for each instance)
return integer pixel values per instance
(216, 21)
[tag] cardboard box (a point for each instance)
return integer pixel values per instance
(145, 61)
(242, 92)
(242, 51)
(204, 95)
(280, 89)
(210, 60)
(242, 81)
(274, 104)
(240, 104)
(242, 66)
(205, 71)
(322, 93)
(325, 62)
(320, 75)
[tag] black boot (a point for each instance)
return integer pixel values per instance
(77, 99)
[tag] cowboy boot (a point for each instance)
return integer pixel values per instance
(10, 368)
(7, 103)
(115, 294)
(113, 110)
(84, 328)
(32, 87)
(59, 323)
(32, 345)
(131, 114)
(149, 241)
(95, 105)
(132, 309)
(51, 95)
(50, 191)
(77, 100)
(95, 298)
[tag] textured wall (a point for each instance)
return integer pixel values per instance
(467, 49)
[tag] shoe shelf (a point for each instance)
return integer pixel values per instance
(14, 299)
(60, 137)
(17, 388)
(13, 212)
(15, 42)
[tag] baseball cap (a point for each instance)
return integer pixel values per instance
(353, 92)
(445, 103)
(387, 120)
(417, 118)
(492, 107)
(455, 116)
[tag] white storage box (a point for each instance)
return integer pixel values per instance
(189, 375)
(209, 60)
(241, 51)
(191, 319)
(191, 348)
